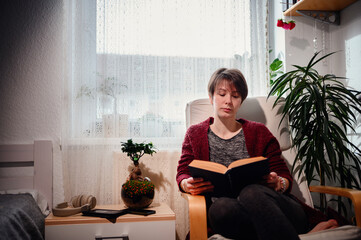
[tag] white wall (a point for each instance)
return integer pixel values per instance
(31, 75)
(345, 38)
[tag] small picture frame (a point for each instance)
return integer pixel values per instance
(105, 213)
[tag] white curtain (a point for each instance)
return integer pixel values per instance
(132, 67)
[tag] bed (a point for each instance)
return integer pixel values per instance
(25, 189)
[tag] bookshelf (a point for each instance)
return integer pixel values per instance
(322, 10)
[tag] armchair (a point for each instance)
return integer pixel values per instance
(261, 109)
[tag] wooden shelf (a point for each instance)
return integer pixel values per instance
(318, 5)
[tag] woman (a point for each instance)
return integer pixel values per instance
(260, 211)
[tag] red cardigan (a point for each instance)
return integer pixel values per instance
(259, 142)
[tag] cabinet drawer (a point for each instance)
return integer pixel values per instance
(150, 230)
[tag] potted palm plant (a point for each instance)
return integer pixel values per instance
(138, 191)
(321, 111)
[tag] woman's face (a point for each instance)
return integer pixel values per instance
(226, 100)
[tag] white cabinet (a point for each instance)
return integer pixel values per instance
(157, 226)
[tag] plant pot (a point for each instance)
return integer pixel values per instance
(136, 197)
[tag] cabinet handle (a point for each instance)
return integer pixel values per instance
(122, 237)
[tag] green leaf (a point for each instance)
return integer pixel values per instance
(276, 65)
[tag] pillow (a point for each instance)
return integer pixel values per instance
(347, 232)
(38, 197)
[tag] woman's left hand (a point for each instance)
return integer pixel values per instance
(275, 182)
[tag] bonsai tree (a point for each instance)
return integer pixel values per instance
(321, 110)
(135, 151)
(137, 192)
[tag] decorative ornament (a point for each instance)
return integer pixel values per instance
(286, 25)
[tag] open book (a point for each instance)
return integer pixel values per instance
(228, 181)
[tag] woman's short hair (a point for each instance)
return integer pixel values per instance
(233, 76)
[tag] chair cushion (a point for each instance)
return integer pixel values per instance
(341, 233)
(347, 232)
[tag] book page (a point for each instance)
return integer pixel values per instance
(210, 166)
(245, 161)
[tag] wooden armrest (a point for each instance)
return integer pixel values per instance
(353, 194)
(197, 216)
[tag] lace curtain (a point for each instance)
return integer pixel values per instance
(132, 67)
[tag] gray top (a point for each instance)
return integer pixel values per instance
(225, 151)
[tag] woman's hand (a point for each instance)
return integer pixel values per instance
(196, 186)
(276, 182)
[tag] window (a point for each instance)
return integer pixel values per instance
(136, 63)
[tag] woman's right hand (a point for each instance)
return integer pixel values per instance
(196, 186)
